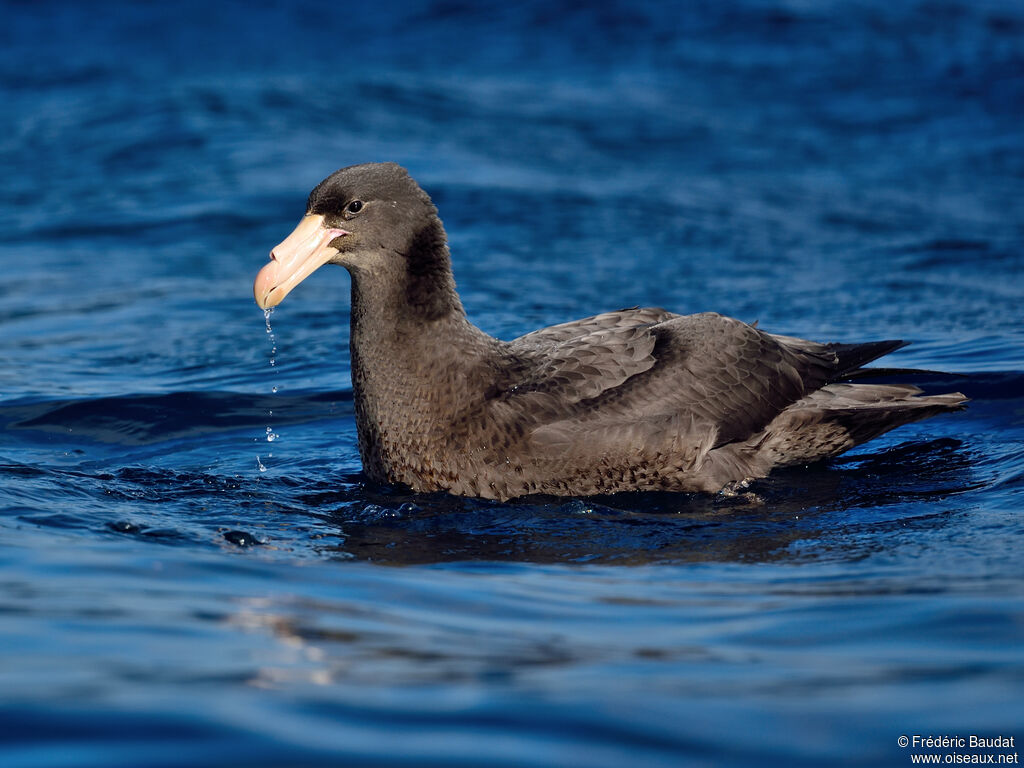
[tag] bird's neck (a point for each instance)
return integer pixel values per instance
(399, 333)
(411, 309)
(426, 291)
(413, 350)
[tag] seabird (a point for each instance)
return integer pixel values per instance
(635, 400)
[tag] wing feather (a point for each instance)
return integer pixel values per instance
(623, 318)
(723, 377)
(585, 366)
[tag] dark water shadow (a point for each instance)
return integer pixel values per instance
(881, 491)
(137, 420)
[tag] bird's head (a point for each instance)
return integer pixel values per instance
(370, 218)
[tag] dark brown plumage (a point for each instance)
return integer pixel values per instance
(639, 399)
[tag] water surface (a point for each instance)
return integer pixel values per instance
(175, 589)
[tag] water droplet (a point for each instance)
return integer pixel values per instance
(271, 436)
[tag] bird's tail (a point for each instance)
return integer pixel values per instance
(840, 416)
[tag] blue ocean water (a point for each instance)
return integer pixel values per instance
(178, 589)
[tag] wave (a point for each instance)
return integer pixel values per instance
(147, 419)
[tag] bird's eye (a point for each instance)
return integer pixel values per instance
(354, 207)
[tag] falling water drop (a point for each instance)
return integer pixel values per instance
(271, 436)
(270, 332)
